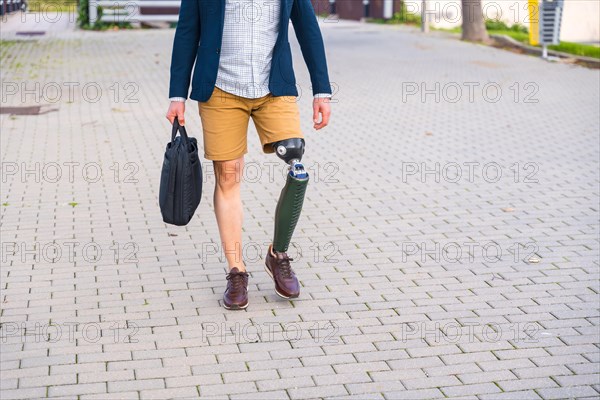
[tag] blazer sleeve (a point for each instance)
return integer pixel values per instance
(185, 48)
(309, 36)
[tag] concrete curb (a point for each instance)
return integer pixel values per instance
(593, 62)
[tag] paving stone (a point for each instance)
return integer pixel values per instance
(131, 365)
(306, 371)
(518, 395)
(434, 382)
(462, 358)
(366, 367)
(397, 375)
(193, 380)
(540, 372)
(414, 394)
(482, 377)
(577, 380)
(453, 369)
(320, 391)
(250, 376)
(272, 395)
(28, 393)
(355, 377)
(105, 376)
(167, 372)
(328, 360)
(229, 388)
(139, 385)
(102, 396)
(374, 387)
(370, 396)
(567, 392)
(171, 393)
(81, 388)
(24, 372)
(525, 384)
(284, 383)
(268, 364)
(50, 380)
(466, 390)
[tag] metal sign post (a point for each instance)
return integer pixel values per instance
(424, 17)
(550, 17)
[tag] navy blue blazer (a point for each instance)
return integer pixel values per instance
(198, 40)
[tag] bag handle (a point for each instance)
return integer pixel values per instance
(182, 132)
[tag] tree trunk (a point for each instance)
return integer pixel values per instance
(473, 25)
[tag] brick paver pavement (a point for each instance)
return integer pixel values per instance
(448, 247)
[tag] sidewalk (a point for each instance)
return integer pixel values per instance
(448, 247)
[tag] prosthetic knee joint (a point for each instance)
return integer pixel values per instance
(290, 201)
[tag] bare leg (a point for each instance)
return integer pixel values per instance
(228, 209)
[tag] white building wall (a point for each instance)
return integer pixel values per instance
(581, 21)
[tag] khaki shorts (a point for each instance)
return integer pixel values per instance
(225, 123)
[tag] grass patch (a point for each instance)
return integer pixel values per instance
(518, 36)
(578, 49)
(451, 30)
(497, 25)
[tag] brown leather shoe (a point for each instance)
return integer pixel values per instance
(236, 294)
(278, 267)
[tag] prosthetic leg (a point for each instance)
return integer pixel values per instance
(292, 195)
(289, 206)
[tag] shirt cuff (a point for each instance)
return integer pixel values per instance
(182, 99)
(321, 95)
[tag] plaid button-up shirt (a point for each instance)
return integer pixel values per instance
(249, 34)
(250, 30)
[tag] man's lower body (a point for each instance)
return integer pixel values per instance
(225, 119)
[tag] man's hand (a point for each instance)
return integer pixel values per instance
(176, 109)
(321, 106)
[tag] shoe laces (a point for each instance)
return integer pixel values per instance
(284, 265)
(237, 279)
